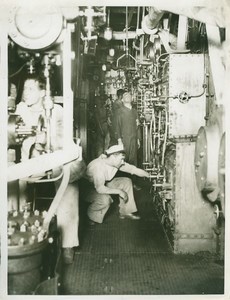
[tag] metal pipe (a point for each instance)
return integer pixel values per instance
(67, 91)
(213, 13)
(138, 19)
(150, 21)
(146, 141)
(165, 138)
(58, 197)
(150, 131)
(43, 163)
(154, 130)
(126, 32)
(121, 35)
(158, 135)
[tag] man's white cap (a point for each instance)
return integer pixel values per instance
(115, 149)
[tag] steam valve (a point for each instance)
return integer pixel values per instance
(18, 131)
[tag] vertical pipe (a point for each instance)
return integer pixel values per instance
(67, 91)
(77, 74)
(146, 141)
(158, 136)
(216, 51)
(165, 138)
(142, 48)
(3, 156)
(126, 31)
(154, 135)
(138, 18)
(182, 33)
(48, 105)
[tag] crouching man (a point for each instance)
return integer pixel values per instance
(100, 172)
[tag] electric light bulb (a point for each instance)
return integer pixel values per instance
(111, 52)
(103, 67)
(108, 33)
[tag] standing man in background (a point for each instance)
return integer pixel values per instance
(117, 104)
(102, 126)
(127, 130)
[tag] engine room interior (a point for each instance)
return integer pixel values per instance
(113, 149)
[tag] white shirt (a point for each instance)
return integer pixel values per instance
(31, 118)
(99, 172)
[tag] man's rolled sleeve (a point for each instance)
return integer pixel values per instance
(134, 170)
(128, 168)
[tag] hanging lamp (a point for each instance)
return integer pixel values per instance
(126, 54)
(108, 33)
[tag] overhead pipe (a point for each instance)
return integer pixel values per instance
(150, 22)
(150, 26)
(213, 14)
(122, 35)
(43, 163)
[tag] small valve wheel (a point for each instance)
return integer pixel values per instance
(183, 97)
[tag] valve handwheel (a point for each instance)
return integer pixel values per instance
(35, 27)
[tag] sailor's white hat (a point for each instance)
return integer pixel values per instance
(115, 149)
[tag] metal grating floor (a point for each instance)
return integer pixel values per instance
(125, 257)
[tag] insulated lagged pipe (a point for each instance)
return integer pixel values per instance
(165, 138)
(146, 141)
(48, 105)
(67, 91)
(151, 20)
(58, 197)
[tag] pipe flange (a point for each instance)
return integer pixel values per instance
(183, 97)
(146, 29)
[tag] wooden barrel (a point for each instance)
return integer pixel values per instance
(24, 268)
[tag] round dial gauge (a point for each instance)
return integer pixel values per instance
(35, 27)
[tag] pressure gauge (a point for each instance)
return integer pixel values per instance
(35, 27)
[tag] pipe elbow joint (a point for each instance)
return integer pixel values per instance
(150, 22)
(146, 26)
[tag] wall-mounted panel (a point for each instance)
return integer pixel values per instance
(195, 220)
(186, 77)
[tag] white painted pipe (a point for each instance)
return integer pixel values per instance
(67, 91)
(150, 21)
(58, 197)
(215, 13)
(43, 163)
